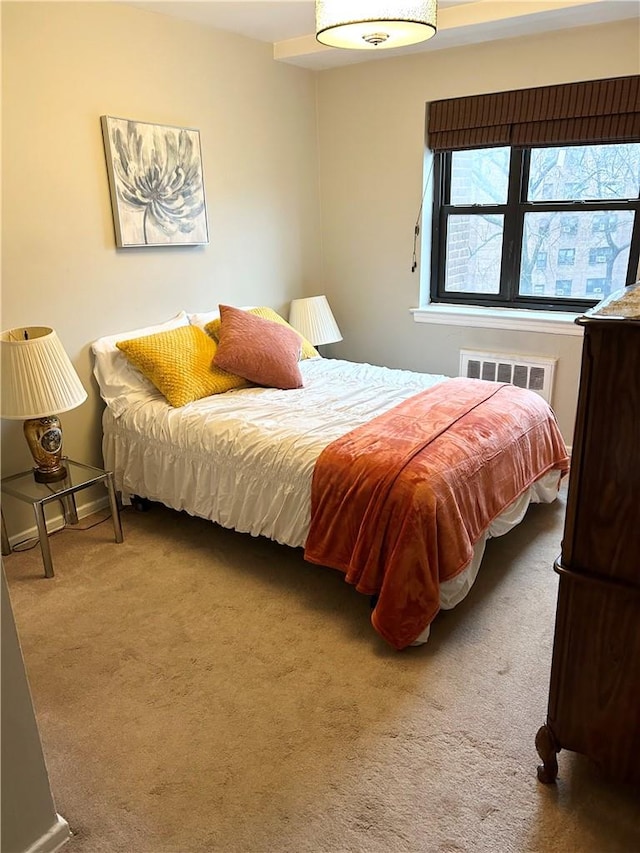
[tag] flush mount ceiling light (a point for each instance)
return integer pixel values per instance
(374, 24)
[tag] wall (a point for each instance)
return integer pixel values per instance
(29, 817)
(371, 132)
(65, 65)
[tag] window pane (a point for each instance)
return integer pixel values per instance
(480, 176)
(587, 264)
(585, 172)
(474, 251)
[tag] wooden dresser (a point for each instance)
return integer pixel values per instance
(594, 694)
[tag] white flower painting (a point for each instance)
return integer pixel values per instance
(156, 183)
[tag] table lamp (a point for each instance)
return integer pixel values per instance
(313, 318)
(38, 383)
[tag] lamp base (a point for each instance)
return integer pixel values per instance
(42, 476)
(44, 437)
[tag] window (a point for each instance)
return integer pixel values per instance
(571, 189)
(601, 255)
(569, 224)
(526, 184)
(566, 257)
(596, 287)
(605, 222)
(508, 221)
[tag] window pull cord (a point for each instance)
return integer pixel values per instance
(416, 228)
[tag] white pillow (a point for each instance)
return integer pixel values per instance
(120, 383)
(201, 319)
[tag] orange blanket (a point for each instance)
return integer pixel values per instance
(398, 503)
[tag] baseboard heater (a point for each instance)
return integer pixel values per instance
(526, 371)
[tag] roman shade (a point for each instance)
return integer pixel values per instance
(571, 113)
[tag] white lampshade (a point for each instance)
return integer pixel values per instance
(313, 318)
(38, 378)
(374, 24)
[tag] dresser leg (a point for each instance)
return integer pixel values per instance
(547, 749)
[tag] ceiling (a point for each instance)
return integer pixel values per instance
(290, 25)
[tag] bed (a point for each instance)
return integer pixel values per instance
(251, 459)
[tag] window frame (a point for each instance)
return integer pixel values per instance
(514, 211)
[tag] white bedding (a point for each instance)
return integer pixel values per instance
(245, 459)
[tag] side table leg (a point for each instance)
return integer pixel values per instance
(115, 509)
(6, 545)
(69, 507)
(41, 523)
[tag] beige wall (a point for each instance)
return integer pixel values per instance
(65, 65)
(371, 131)
(271, 135)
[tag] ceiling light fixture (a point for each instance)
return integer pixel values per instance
(374, 24)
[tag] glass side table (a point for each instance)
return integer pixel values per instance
(79, 476)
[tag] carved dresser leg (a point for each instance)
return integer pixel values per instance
(547, 749)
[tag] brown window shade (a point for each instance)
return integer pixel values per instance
(572, 113)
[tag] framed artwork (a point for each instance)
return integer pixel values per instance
(156, 183)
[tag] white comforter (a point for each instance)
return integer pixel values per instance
(245, 458)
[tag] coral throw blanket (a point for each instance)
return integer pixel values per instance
(398, 503)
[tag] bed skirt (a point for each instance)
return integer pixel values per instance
(188, 481)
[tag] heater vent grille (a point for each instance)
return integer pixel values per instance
(526, 371)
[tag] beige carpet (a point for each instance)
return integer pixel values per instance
(200, 690)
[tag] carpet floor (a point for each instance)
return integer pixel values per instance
(201, 691)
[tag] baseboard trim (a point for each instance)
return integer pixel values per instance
(56, 522)
(53, 839)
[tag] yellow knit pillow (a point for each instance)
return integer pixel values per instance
(179, 362)
(308, 350)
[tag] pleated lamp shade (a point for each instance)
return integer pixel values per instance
(38, 378)
(313, 318)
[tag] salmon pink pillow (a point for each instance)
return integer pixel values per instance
(259, 350)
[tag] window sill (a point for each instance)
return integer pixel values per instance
(546, 322)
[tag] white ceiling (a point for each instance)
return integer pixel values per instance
(290, 25)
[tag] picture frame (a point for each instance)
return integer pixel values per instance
(156, 183)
